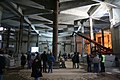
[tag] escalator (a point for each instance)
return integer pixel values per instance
(98, 47)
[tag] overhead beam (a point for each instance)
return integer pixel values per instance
(5, 5)
(78, 3)
(19, 10)
(28, 3)
(93, 9)
(48, 4)
(28, 12)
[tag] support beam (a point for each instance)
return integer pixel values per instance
(64, 47)
(102, 37)
(18, 11)
(0, 14)
(77, 3)
(83, 41)
(91, 28)
(91, 33)
(37, 40)
(55, 30)
(8, 38)
(29, 34)
(0, 24)
(75, 36)
(20, 35)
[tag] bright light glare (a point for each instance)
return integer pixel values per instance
(1, 28)
(34, 49)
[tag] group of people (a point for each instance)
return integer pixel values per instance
(39, 63)
(75, 60)
(97, 60)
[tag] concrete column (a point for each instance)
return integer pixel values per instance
(75, 36)
(95, 39)
(75, 44)
(64, 47)
(55, 30)
(2, 43)
(0, 23)
(91, 31)
(20, 35)
(17, 41)
(0, 14)
(83, 41)
(29, 34)
(8, 38)
(102, 37)
(37, 40)
(115, 30)
(71, 46)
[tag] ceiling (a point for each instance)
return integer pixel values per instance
(39, 14)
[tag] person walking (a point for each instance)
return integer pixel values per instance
(96, 62)
(102, 62)
(74, 60)
(2, 64)
(36, 69)
(23, 60)
(29, 61)
(51, 61)
(44, 60)
(89, 62)
(77, 59)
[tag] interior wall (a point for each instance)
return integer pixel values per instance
(116, 32)
(116, 40)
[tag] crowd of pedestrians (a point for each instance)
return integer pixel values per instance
(43, 62)
(40, 63)
(75, 60)
(98, 62)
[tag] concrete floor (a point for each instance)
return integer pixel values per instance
(62, 74)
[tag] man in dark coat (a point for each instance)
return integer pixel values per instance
(77, 59)
(2, 64)
(23, 60)
(89, 62)
(44, 59)
(74, 60)
(36, 69)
